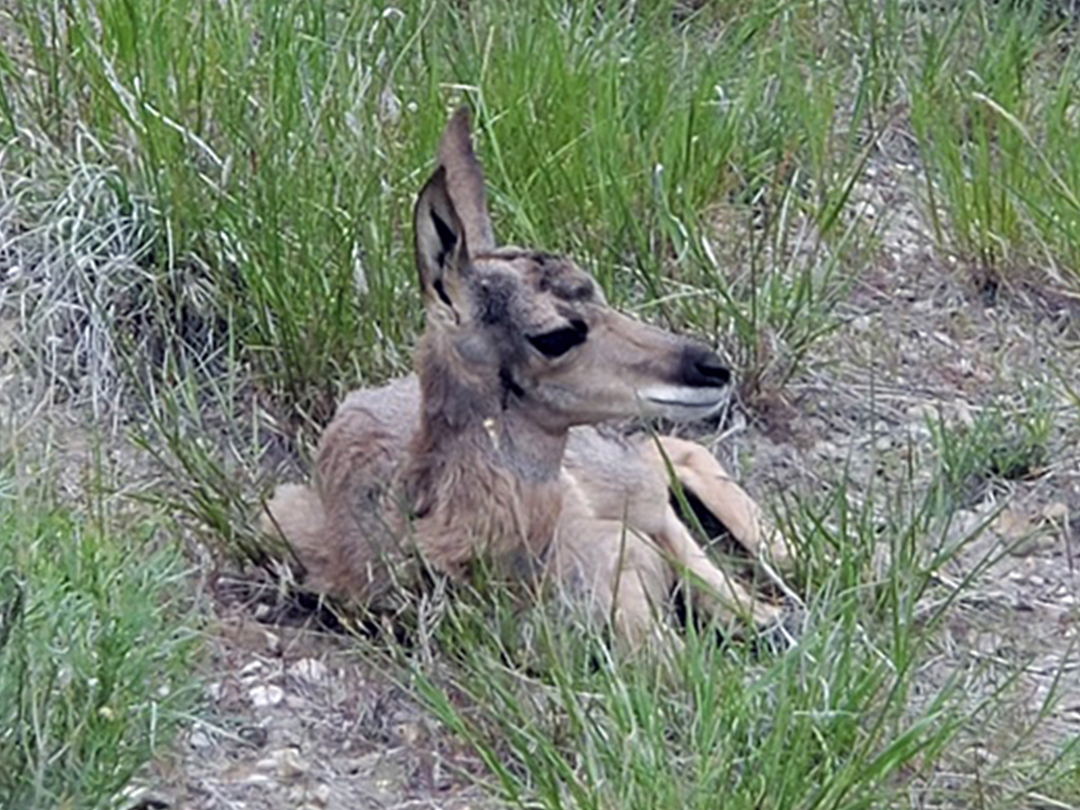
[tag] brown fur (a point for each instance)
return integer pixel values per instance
(488, 454)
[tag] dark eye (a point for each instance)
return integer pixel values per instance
(560, 341)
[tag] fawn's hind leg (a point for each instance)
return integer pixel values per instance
(354, 469)
(337, 528)
(699, 472)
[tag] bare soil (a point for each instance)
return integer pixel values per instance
(297, 719)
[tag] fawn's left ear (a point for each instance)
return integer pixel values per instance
(465, 182)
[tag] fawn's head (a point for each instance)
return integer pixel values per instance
(522, 329)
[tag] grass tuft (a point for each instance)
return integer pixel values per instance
(95, 648)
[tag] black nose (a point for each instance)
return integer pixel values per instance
(703, 368)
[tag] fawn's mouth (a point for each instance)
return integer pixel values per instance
(683, 403)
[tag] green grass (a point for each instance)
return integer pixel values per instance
(273, 149)
(845, 719)
(96, 625)
(994, 109)
(279, 145)
(209, 208)
(1007, 441)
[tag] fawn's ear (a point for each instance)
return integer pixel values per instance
(451, 221)
(465, 182)
(442, 254)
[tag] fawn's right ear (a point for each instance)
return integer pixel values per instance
(442, 256)
(451, 218)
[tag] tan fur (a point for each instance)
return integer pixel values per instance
(488, 453)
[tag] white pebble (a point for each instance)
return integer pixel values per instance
(262, 695)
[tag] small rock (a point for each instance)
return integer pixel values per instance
(962, 414)
(289, 764)
(1034, 543)
(251, 669)
(827, 449)
(1012, 524)
(918, 433)
(861, 323)
(1056, 512)
(982, 755)
(273, 642)
(263, 695)
(199, 739)
(924, 413)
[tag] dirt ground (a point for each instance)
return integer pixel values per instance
(297, 719)
(300, 721)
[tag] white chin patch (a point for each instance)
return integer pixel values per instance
(682, 403)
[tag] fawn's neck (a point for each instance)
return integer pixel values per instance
(481, 477)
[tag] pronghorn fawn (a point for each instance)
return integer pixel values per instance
(488, 454)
